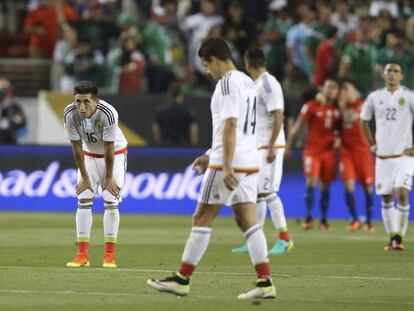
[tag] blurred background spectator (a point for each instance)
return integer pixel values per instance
(12, 118)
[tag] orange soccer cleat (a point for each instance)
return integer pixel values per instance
(81, 260)
(369, 228)
(109, 260)
(354, 226)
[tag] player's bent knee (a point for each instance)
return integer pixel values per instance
(109, 199)
(86, 195)
(85, 203)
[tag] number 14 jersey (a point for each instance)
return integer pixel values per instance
(235, 96)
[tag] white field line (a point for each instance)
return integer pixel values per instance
(352, 277)
(139, 295)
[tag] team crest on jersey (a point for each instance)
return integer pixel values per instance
(401, 101)
(98, 125)
(379, 186)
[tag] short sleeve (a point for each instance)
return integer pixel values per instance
(230, 98)
(110, 125)
(71, 133)
(305, 113)
(368, 109)
(274, 95)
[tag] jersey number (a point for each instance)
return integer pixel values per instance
(246, 121)
(91, 137)
(390, 114)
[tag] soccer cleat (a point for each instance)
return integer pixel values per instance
(281, 247)
(240, 250)
(324, 226)
(174, 284)
(264, 289)
(369, 228)
(307, 225)
(354, 226)
(396, 246)
(109, 260)
(80, 260)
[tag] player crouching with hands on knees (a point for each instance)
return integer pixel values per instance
(100, 151)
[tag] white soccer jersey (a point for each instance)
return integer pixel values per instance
(270, 97)
(102, 126)
(235, 96)
(393, 114)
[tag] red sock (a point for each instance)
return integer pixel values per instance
(186, 269)
(263, 270)
(109, 247)
(83, 248)
(284, 236)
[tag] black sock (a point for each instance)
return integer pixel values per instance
(309, 200)
(369, 202)
(350, 202)
(324, 204)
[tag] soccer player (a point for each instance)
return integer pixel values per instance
(319, 158)
(231, 171)
(99, 149)
(271, 143)
(355, 156)
(393, 109)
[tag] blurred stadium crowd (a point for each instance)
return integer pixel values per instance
(132, 46)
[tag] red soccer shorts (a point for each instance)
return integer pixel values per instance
(357, 165)
(321, 165)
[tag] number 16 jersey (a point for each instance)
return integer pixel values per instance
(235, 96)
(393, 114)
(101, 126)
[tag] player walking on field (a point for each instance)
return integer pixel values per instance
(271, 143)
(355, 157)
(231, 172)
(100, 152)
(393, 109)
(319, 156)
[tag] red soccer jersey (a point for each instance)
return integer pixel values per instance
(352, 135)
(322, 120)
(324, 62)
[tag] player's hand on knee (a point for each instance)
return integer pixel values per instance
(409, 152)
(200, 164)
(83, 185)
(112, 187)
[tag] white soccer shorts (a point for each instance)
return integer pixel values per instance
(270, 174)
(393, 173)
(214, 191)
(96, 170)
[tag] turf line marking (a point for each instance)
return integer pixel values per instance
(371, 278)
(140, 294)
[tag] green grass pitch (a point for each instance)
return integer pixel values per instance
(326, 271)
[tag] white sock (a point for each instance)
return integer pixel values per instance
(277, 212)
(388, 217)
(196, 245)
(83, 223)
(261, 210)
(257, 245)
(401, 216)
(111, 224)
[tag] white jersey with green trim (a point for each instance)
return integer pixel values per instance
(270, 97)
(393, 112)
(101, 127)
(235, 96)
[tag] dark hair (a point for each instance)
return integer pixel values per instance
(214, 47)
(255, 57)
(86, 87)
(331, 32)
(394, 62)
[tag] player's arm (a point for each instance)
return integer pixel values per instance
(229, 145)
(367, 113)
(368, 134)
(110, 184)
(193, 134)
(295, 133)
(77, 150)
(277, 126)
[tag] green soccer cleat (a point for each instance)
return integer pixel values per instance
(282, 247)
(174, 285)
(240, 250)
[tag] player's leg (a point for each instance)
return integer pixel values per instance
(348, 175)
(327, 175)
(369, 203)
(245, 216)
(210, 201)
(311, 167)
(84, 218)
